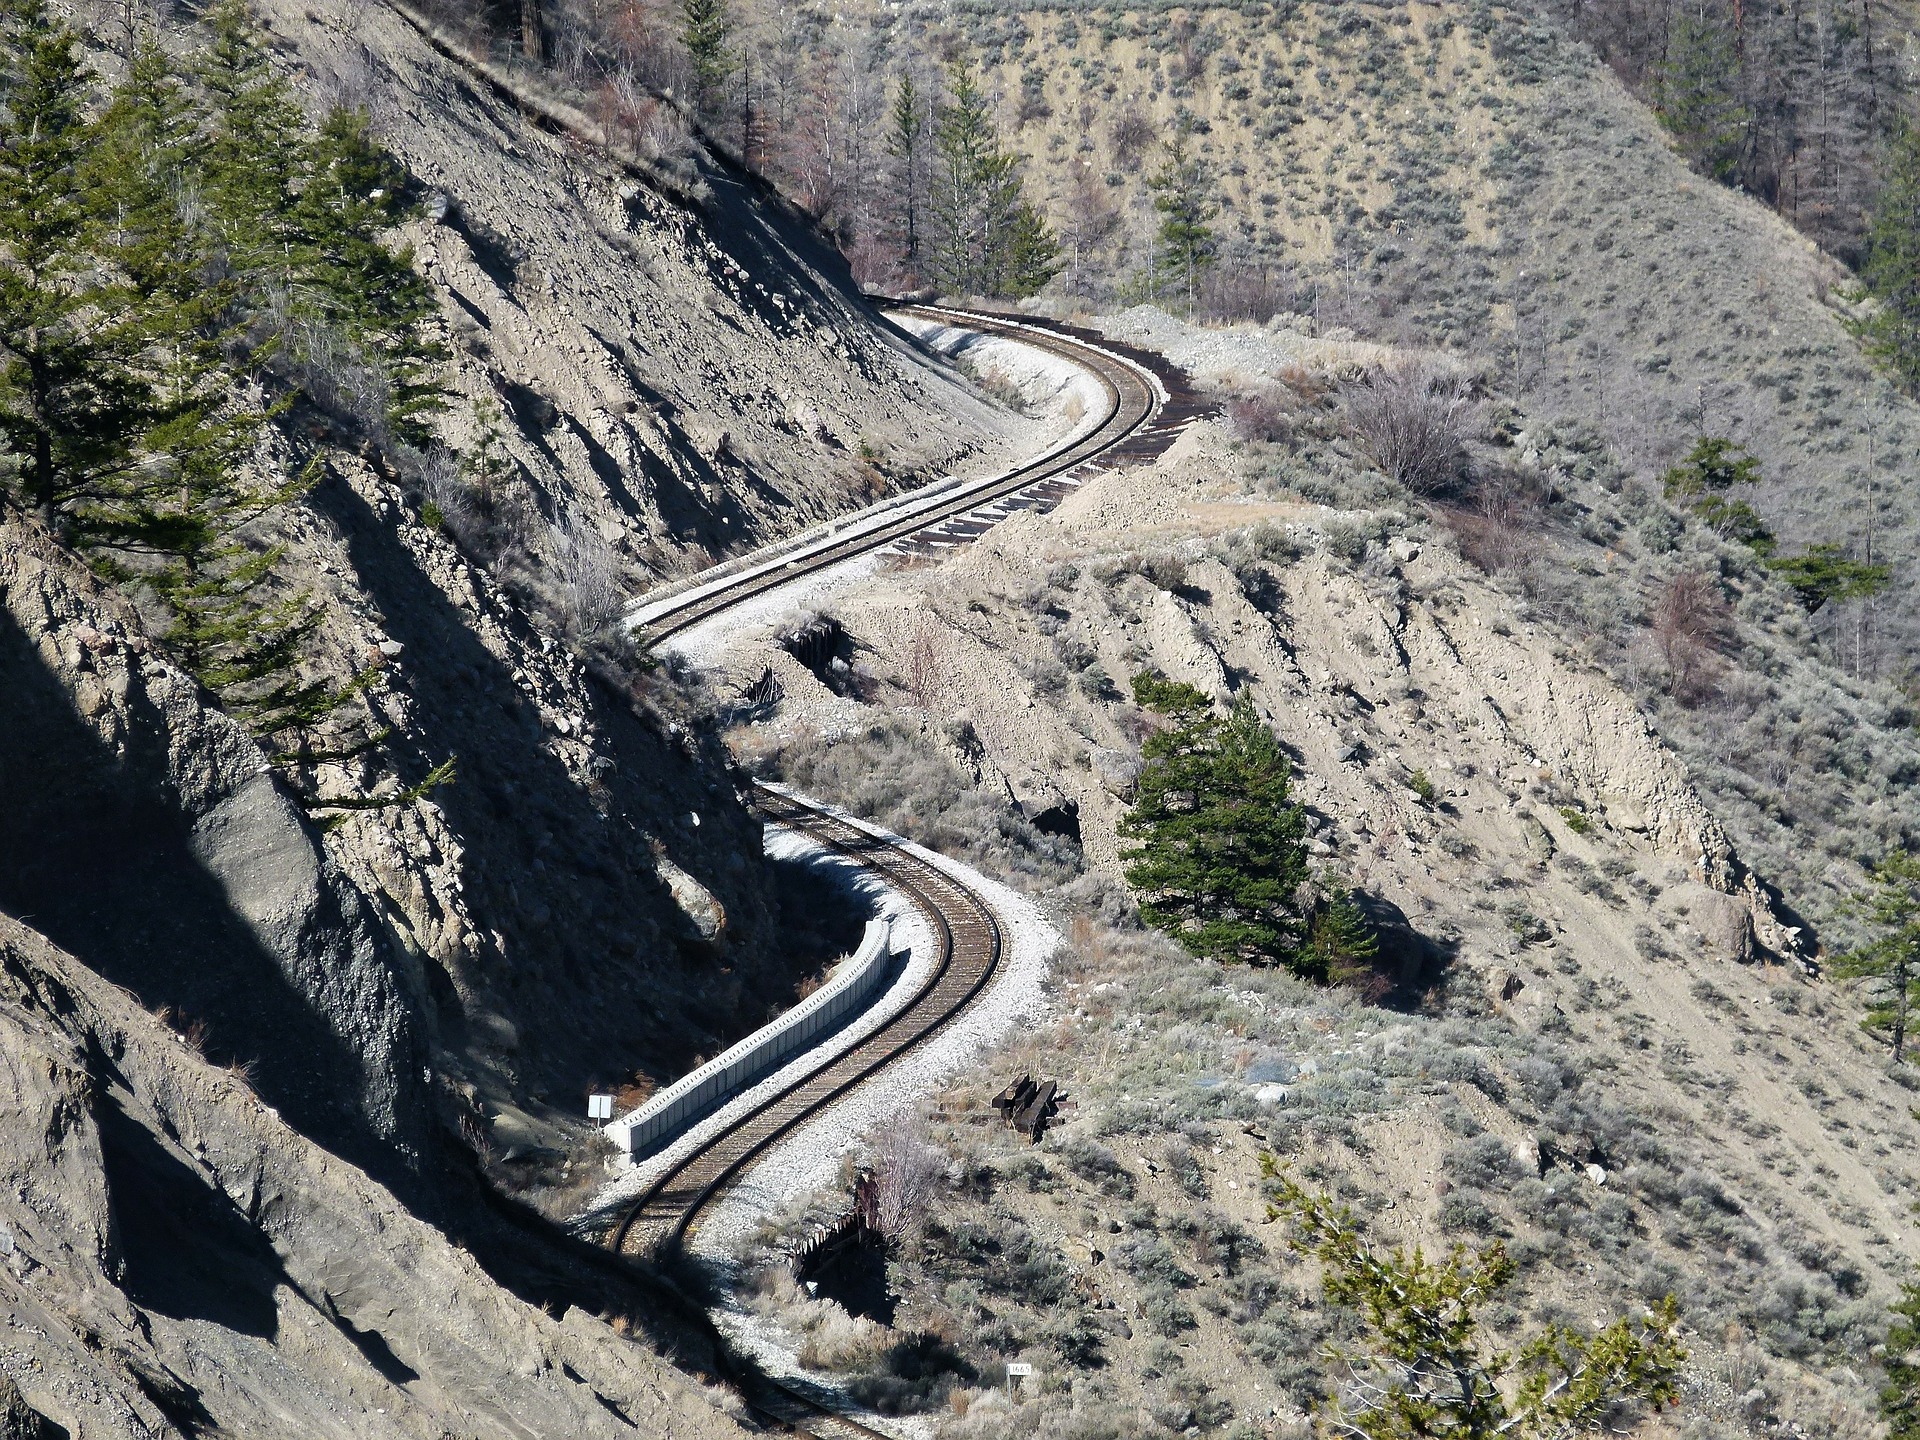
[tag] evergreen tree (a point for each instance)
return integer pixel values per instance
(906, 124)
(705, 27)
(1823, 573)
(1900, 1396)
(1701, 482)
(1888, 963)
(1424, 1364)
(1341, 941)
(76, 364)
(988, 239)
(1032, 254)
(1892, 269)
(1695, 96)
(1181, 194)
(970, 169)
(252, 165)
(1222, 848)
(300, 218)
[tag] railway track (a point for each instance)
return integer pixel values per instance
(969, 947)
(1147, 403)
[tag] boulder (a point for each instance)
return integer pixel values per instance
(1723, 922)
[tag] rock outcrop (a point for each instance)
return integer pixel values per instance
(145, 832)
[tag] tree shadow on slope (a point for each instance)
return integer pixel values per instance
(97, 854)
(603, 971)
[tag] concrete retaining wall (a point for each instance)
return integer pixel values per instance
(699, 1093)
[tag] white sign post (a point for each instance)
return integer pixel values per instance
(1017, 1370)
(599, 1107)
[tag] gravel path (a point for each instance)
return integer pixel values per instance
(1240, 352)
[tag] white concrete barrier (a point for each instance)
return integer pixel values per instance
(699, 1093)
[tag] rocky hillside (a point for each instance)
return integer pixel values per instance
(1594, 1035)
(257, 988)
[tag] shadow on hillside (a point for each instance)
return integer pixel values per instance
(97, 855)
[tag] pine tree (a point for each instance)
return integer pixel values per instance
(906, 126)
(1221, 851)
(1900, 1396)
(1181, 195)
(1695, 97)
(1892, 268)
(969, 167)
(1824, 573)
(354, 194)
(1701, 482)
(1032, 253)
(76, 372)
(1888, 963)
(252, 166)
(705, 27)
(989, 240)
(1340, 940)
(1421, 1363)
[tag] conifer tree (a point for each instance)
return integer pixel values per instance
(989, 240)
(906, 123)
(1892, 268)
(705, 27)
(1423, 1362)
(1695, 96)
(1702, 482)
(1900, 1396)
(1888, 964)
(76, 382)
(1221, 852)
(1181, 195)
(1340, 939)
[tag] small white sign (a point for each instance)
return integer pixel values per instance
(1019, 1368)
(600, 1107)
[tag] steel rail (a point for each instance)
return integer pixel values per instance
(1135, 395)
(969, 951)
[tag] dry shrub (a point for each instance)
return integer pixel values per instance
(908, 1174)
(1132, 132)
(1691, 622)
(925, 661)
(1238, 291)
(1501, 522)
(839, 1341)
(1413, 421)
(1262, 417)
(588, 588)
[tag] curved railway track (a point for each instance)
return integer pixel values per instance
(968, 943)
(1147, 403)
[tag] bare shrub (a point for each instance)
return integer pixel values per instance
(1264, 416)
(1691, 621)
(1238, 291)
(1413, 421)
(588, 588)
(1131, 133)
(926, 659)
(1501, 523)
(908, 1174)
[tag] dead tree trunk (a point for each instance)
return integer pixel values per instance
(531, 43)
